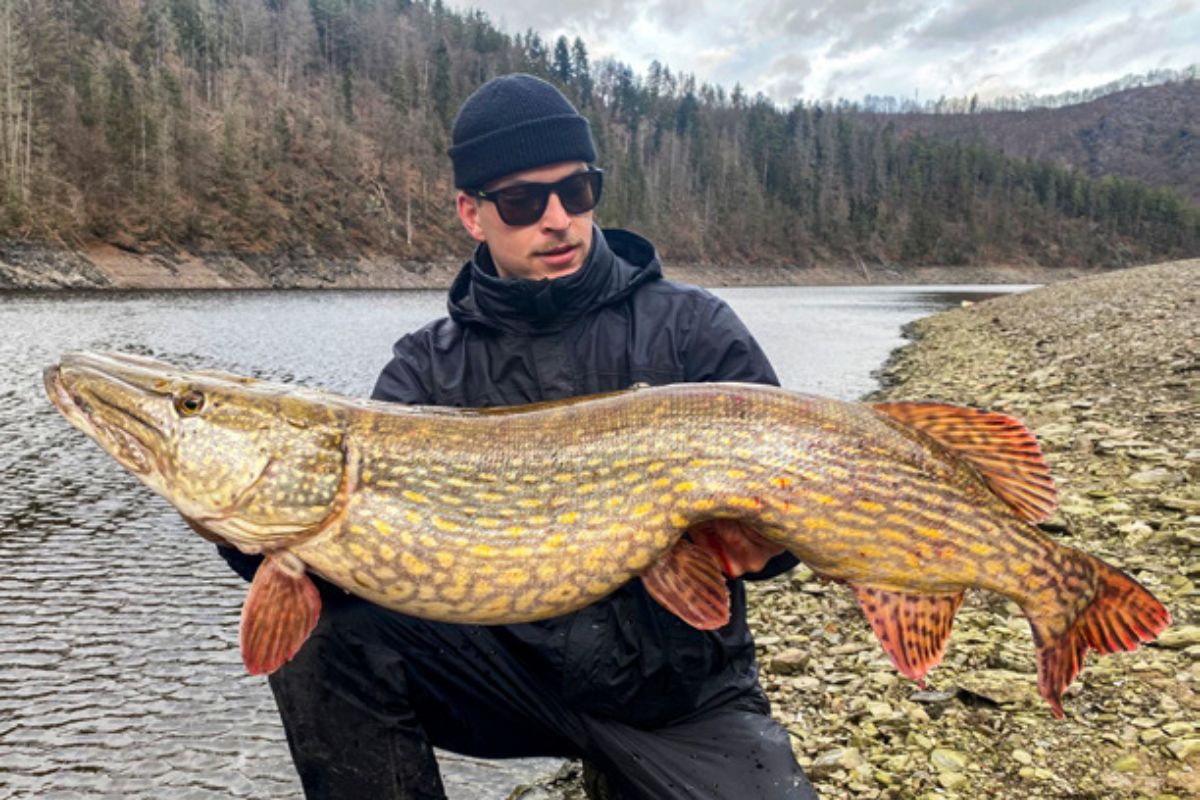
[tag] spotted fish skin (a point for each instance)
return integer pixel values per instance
(512, 515)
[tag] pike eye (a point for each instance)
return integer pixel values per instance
(189, 403)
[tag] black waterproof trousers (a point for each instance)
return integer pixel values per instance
(372, 692)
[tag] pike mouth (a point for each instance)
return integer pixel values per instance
(130, 445)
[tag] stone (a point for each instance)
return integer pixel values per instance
(1180, 637)
(789, 662)
(1182, 748)
(946, 760)
(1022, 757)
(1155, 477)
(952, 780)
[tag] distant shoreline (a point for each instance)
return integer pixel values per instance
(32, 267)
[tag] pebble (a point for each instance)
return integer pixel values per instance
(946, 760)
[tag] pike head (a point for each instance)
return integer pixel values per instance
(248, 463)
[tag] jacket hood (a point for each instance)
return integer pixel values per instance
(618, 264)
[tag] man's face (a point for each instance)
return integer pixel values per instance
(554, 246)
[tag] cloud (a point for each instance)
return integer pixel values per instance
(988, 20)
(783, 79)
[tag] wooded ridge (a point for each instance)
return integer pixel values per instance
(318, 128)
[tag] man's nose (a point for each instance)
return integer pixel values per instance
(555, 217)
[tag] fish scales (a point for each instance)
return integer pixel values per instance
(510, 515)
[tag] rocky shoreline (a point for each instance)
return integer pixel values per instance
(26, 266)
(1106, 371)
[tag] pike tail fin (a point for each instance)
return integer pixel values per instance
(1122, 615)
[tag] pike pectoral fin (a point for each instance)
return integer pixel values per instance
(1121, 616)
(913, 628)
(687, 581)
(280, 612)
(1006, 454)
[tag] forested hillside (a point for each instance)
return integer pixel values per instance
(1150, 133)
(320, 126)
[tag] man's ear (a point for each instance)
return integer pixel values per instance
(468, 212)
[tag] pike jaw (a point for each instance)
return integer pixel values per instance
(242, 462)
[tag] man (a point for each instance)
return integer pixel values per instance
(548, 307)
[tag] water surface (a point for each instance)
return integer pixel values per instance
(119, 668)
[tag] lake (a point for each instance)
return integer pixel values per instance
(120, 675)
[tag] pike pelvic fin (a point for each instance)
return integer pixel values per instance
(1006, 454)
(687, 581)
(738, 548)
(1121, 616)
(280, 612)
(913, 628)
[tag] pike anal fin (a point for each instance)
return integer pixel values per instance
(1122, 615)
(280, 612)
(913, 628)
(688, 582)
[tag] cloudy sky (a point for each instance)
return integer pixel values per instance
(829, 49)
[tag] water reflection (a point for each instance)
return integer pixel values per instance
(121, 675)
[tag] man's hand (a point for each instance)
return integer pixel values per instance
(737, 547)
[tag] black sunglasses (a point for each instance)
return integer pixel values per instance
(524, 203)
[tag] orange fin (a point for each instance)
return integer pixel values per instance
(687, 581)
(280, 612)
(913, 628)
(1122, 615)
(999, 446)
(738, 548)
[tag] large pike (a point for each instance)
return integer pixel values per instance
(511, 515)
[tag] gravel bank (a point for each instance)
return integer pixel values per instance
(1106, 371)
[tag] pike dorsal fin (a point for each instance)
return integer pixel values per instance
(1000, 447)
(913, 628)
(687, 581)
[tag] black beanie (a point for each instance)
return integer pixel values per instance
(512, 123)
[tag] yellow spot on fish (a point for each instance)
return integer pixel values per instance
(445, 525)
(531, 502)
(412, 517)
(679, 520)
(554, 541)
(514, 530)
(869, 506)
(585, 488)
(489, 497)
(638, 561)
(982, 549)
(685, 486)
(484, 550)
(414, 565)
(444, 559)
(513, 577)
(931, 533)
(456, 592)
(488, 522)
(662, 483)
(546, 572)
(525, 601)
(357, 529)
(613, 502)
(381, 526)
(387, 551)
(568, 518)
(414, 497)
(643, 509)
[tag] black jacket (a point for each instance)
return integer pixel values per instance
(614, 323)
